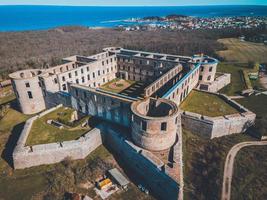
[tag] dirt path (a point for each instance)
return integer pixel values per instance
(229, 166)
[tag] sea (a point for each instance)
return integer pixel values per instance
(25, 18)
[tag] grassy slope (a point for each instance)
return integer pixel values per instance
(249, 182)
(203, 164)
(237, 82)
(243, 51)
(258, 105)
(207, 104)
(41, 132)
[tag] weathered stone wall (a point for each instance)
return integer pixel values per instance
(161, 81)
(150, 170)
(25, 156)
(221, 81)
(183, 87)
(147, 130)
(211, 127)
(28, 91)
(101, 104)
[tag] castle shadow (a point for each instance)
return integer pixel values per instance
(11, 144)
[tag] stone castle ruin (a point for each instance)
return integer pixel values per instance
(148, 107)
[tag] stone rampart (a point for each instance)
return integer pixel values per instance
(26, 156)
(211, 127)
(221, 81)
(149, 169)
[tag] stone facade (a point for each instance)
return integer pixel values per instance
(222, 80)
(154, 123)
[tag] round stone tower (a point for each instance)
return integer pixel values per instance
(28, 90)
(154, 123)
(208, 69)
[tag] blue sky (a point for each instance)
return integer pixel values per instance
(133, 2)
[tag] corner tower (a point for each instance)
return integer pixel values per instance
(154, 123)
(28, 90)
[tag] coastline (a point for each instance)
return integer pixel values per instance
(49, 17)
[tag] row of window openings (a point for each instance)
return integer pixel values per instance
(201, 77)
(141, 62)
(27, 84)
(210, 69)
(163, 126)
(88, 76)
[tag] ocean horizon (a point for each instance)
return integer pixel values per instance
(27, 17)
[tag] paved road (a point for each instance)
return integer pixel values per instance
(229, 166)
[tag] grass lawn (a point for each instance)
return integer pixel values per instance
(117, 85)
(204, 163)
(249, 176)
(42, 132)
(243, 52)
(10, 95)
(207, 104)
(237, 83)
(258, 105)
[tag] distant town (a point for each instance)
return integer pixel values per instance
(182, 22)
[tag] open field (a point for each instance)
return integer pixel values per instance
(258, 105)
(42, 132)
(237, 83)
(207, 104)
(204, 163)
(249, 176)
(117, 85)
(242, 52)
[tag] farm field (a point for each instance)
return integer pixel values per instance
(242, 52)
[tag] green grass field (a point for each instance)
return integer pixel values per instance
(237, 82)
(204, 163)
(42, 132)
(249, 177)
(258, 105)
(207, 104)
(242, 52)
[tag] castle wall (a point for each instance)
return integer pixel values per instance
(211, 127)
(161, 81)
(147, 168)
(101, 104)
(219, 82)
(25, 156)
(180, 89)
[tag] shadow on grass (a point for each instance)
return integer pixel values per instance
(11, 144)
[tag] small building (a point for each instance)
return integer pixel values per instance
(118, 178)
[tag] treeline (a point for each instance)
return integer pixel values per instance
(37, 49)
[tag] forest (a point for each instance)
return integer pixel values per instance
(41, 49)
